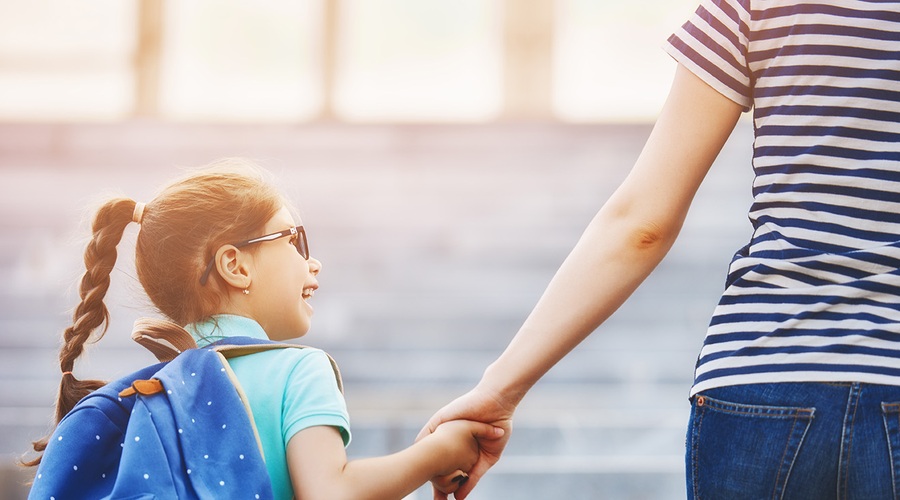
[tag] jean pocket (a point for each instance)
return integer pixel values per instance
(737, 451)
(891, 414)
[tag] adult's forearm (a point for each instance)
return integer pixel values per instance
(609, 262)
(626, 240)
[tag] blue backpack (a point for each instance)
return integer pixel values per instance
(179, 429)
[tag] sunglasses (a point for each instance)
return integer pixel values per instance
(298, 239)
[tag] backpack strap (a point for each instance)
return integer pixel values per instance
(166, 340)
(234, 347)
(163, 338)
(182, 442)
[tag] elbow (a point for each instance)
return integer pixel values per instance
(647, 236)
(638, 228)
(650, 236)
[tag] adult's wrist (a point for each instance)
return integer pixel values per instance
(500, 384)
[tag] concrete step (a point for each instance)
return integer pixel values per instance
(437, 242)
(620, 442)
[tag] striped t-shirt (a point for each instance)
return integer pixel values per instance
(815, 295)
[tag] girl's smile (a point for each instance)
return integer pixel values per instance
(273, 282)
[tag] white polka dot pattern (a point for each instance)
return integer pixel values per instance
(203, 415)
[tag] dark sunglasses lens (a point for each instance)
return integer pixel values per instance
(300, 243)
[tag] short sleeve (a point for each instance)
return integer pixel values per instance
(312, 397)
(713, 44)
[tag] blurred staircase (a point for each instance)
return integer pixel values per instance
(436, 242)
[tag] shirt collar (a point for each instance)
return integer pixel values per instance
(221, 326)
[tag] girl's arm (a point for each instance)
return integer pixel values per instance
(319, 468)
(624, 242)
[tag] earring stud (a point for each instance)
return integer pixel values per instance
(246, 291)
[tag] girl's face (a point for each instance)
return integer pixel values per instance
(282, 283)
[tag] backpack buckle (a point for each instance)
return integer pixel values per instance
(142, 387)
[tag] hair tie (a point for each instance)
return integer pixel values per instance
(66, 373)
(138, 214)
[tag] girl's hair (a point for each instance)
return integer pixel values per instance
(181, 229)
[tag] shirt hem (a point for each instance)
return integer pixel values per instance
(782, 377)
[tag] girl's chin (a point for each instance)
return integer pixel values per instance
(292, 330)
(303, 327)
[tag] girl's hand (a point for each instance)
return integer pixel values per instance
(319, 468)
(449, 483)
(481, 406)
(458, 442)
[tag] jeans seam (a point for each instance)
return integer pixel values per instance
(885, 415)
(792, 414)
(847, 441)
(799, 445)
(783, 482)
(777, 484)
(798, 416)
(694, 466)
(766, 453)
(763, 411)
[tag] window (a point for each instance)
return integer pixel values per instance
(425, 60)
(241, 60)
(64, 60)
(369, 61)
(608, 58)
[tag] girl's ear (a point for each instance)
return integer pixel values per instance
(233, 266)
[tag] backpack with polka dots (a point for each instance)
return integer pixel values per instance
(178, 429)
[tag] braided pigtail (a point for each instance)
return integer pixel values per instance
(91, 313)
(180, 231)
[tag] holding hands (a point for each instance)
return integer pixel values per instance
(461, 443)
(478, 405)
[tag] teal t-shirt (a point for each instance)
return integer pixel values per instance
(288, 389)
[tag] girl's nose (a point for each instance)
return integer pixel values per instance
(314, 266)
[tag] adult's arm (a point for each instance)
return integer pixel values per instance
(623, 243)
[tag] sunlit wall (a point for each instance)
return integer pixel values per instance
(288, 61)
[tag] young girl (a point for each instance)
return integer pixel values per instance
(220, 253)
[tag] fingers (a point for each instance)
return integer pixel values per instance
(459, 408)
(433, 423)
(430, 426)
(460, 479)
(466, 487)
(486, 431)
(491, 440)
(450, 483)
(445, 485)
(458, 483)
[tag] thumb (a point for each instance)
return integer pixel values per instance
(486, 431)
(430, 426)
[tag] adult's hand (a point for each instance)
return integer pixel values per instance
(482, 406)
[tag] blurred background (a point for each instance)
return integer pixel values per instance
(446, 156)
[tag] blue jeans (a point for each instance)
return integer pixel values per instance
(794, 441)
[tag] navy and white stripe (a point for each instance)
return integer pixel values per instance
(815, 294)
